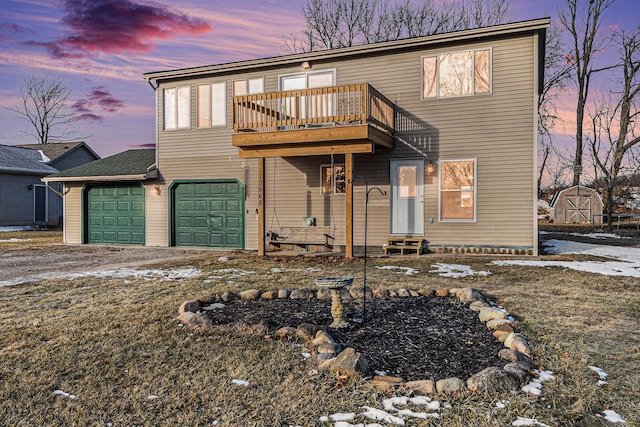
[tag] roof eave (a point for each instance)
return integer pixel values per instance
(459, 36)
(102, 178)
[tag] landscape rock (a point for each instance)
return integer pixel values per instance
(442, 292)
(330, 348)
(519, 371)
(393, 294)
(324, 294)
(403, 293)
(469, 295)
(490, 313)
(358, 292)
(381, 293)
(269, 295)
(250, 294)
(189, 306)
(348, 362)
(306, 331)
(413, 293)
(195, 320)
(426, 292)
(228, 296)
(492, 380)
(513, 356)
(449, 385)
(495, 323)
(322, 337)
(422, 386)
(345, 294)
(499, 334)
(302, 293)
(209, 299)
(284, 293)
(478, 305)
(386, 383)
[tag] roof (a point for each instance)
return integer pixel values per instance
(24, 161)
(579, 188)
(59, 149)
(539, 25)
(131, 165)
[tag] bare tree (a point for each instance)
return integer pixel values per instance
(583, 26)
(557, 72)
(45, 107)
(614, 126)
(331, 24)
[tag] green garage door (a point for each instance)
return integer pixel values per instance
(209, 214)
(115, 214)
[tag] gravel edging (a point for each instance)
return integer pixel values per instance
(516, 372)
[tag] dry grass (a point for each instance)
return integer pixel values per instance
(113, 343)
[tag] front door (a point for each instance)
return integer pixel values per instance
(407, 204)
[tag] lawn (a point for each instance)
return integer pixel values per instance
(116, 346)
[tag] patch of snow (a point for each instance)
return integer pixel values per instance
(380, 415)
(612, 417)
(350, 416)
(600, 382)
(14, 240)
(406, 270)
(456, 270)
(223, 259)
(240, 382)
(501, 404)
(422, 415)
(627, 260)
(520, 421)
(599, 372)
(534, 387)
(214, 306)
(306, 355)
(381, 373)
(153, 397)
(10, 228)
(64, 394)
(543, 204)
(43, 157)
(308, 270)
(230, 273)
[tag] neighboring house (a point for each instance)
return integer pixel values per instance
(62, 156)
(23, 197)
(445, 124)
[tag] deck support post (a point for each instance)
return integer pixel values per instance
(261, 210)
(348, 160)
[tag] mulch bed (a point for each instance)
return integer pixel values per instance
(413, 338)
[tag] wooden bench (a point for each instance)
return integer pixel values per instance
(403, 246)
(303, 236)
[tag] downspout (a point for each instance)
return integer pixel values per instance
(155, 113)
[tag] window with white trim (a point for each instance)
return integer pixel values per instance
(248, 87)
(458, 190)
(462, 73)
(212, 105)
(177, 107)
(333, 179)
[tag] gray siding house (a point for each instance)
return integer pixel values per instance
(446, 125)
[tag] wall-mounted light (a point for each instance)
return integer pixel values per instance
(305, 65)
(431, 168)
(156, 190)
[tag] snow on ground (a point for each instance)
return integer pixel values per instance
(121, 273)
(406, 270)
(520, 421)
(242, 383)
(456, 270)
(627, 260)
(612, 417)
(16, 228)
(14, 240)
(590, 235)
(64, 394)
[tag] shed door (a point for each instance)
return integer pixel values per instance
(115, 214)
(209, 214)
(577, 209)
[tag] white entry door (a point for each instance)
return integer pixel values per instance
(407, 204)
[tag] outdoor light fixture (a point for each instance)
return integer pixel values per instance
(305, 65)
(156, 190)
(431, 168)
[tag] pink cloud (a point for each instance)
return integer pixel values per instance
(99, 97)
(115, 26)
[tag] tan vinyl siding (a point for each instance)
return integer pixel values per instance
(156, 212)
(497, 130)
(73, 213)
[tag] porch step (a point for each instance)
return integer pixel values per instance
(403, 246)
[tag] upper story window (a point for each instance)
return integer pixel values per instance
(212, 105)
(463, 73)
(457, 190)
(313, 106)
(177, 107)
(248, 87)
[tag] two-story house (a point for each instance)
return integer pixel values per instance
(446, 125)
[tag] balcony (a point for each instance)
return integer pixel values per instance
(331, 120)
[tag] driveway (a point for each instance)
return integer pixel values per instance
(35, 263)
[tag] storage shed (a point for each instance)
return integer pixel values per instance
(576, 205)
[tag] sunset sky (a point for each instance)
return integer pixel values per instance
(100, 49)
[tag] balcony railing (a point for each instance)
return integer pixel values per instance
(308, 108)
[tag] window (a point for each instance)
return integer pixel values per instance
(457, 190)
(177, 107)
(333, 181)
(212, 105)
(248, 87)
(314, 106)
(456, 74)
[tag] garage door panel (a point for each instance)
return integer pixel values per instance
(204, 216)
(116, 214)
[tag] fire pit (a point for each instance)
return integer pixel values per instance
(335, 285)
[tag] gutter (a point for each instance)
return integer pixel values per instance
(152, 174)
